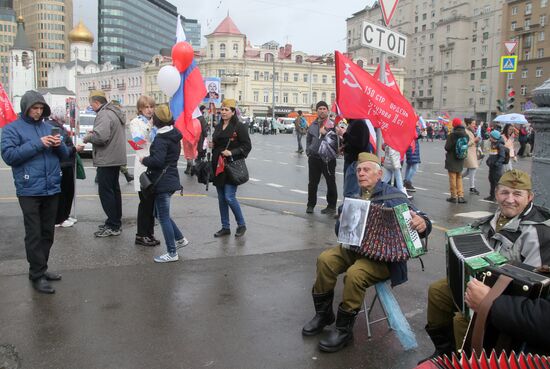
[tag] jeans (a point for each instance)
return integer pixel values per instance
(351, 185)
(316, 167)
(170, 230)
(410, 171)
(389, 173)
(109, 195)
(145, 217)
(227, 199)
(495, 172)
(455, 184)
(471, 172)
(39, 220)
(299, 139)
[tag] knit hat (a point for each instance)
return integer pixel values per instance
(97, 93)
(457, 122)
(229, 103)
(495, 134)
(321, 103)
(516, 179)
(163, 113)
(367, 156)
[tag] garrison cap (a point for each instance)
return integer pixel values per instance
(516, 179)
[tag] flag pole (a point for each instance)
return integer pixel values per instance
(384, 81)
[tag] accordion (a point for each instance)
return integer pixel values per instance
(527, 281)
(468, 253)
(377, 232)
(491, 361)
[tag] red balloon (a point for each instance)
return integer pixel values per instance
(182, 55)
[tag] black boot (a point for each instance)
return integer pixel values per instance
(323, 313)
(342, 334)
(443, 340)
(188, 168)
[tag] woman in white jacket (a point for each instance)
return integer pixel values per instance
(392, 168)
(142, 132)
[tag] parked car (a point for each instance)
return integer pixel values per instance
(85, 123)
(287, 125)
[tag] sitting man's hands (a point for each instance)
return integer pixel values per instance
(475, 293)
(417, 222)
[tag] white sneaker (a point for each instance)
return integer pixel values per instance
(67, 223)
(166, 258)
(181, 243)
(74, 220)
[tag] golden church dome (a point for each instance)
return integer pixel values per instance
(81, 34)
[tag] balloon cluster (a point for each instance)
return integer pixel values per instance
(169, 76)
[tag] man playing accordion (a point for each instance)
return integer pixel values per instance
(361, 272)
(520, 231)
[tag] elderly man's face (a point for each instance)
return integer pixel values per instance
(368, 174)
(95, 105)
(512, 202)
(35, 111)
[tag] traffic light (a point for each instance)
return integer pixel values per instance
(510, 98)
(501, 107)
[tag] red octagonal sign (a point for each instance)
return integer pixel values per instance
(388, 9)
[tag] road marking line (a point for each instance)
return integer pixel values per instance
(487, 201)
(432, 162)
(299, 191)
(420, 171)
(446, 193)
(254, 179)
(441, 174)
(283, 163)
(268, 161)
(474, 214)
(274, 185)
(289, 212)
(300, 166)
(421, 188)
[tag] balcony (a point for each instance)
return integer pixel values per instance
(121, 86)
(230, 80)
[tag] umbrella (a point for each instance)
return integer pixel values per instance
(513, 118)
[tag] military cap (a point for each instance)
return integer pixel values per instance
(97, 93)
(516, 179)
(367, 156)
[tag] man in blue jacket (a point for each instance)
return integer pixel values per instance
(33, 151)
(361, 272)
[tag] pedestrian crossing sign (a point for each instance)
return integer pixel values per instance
(508, 64)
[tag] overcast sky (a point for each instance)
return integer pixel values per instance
(312, 26)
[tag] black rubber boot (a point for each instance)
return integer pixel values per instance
(443, 340)
(342, 334)
(188, 168)
(323, 313)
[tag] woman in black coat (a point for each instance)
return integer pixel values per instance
(162, 169)
(230, 141)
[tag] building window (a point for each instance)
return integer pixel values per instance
(268, 58)
(527, 24)
(295, 98)
(256, 96)
(541, 36)
(299, 59)
(324, 78)
(513, 26)
(540, 53)
(527, 55)
(333, 79)
(304, 99)
(332, 97)
(524, 73)
(222, 50)
(314, 78)
(305, 77)
(296, 76)
(481, 101)
(484, 62)
(266, 76)
(483, 75)
(514, 10)
(523, 90)
(472, 76)
(543, 3)
(528, 8)
(256, 75)
(236, 50)
(211, 51)
(542, 20)
(472, 64)
(276, 76)
(266, 96)
(285, 97)
(510, 76)
(285, 77)
(538, 72)
(485, 35)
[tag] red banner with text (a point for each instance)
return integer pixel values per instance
(360, 96)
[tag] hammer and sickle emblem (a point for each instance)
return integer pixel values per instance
(346, 81)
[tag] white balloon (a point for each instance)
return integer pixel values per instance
(169, 80)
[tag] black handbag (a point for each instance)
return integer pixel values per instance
(146, 185)
(236, 171)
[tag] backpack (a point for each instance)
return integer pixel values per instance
(461, 148)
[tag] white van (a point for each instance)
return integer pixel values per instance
(85, 124)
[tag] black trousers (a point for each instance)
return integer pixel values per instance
(39, 220)
(66, 196)
(316, 167)
(109, 195)
(494, 176)
(145, 218)
(522, 145)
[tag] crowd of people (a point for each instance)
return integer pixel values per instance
(39, 152)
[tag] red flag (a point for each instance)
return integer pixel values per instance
(7, 115)
(221, 165)
(390, 79)
(186, 100)
(360, 96)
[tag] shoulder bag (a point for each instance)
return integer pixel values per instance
(146, 185)
(235, 170)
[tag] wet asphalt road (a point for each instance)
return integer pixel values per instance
(229, 303)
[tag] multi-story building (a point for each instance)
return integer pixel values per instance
(47, 23)
(130, 34)
(22, 66)
(526, 21)
(8, 30)
(452, 55)
(192, 29)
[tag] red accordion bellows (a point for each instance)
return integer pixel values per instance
(494, 361)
